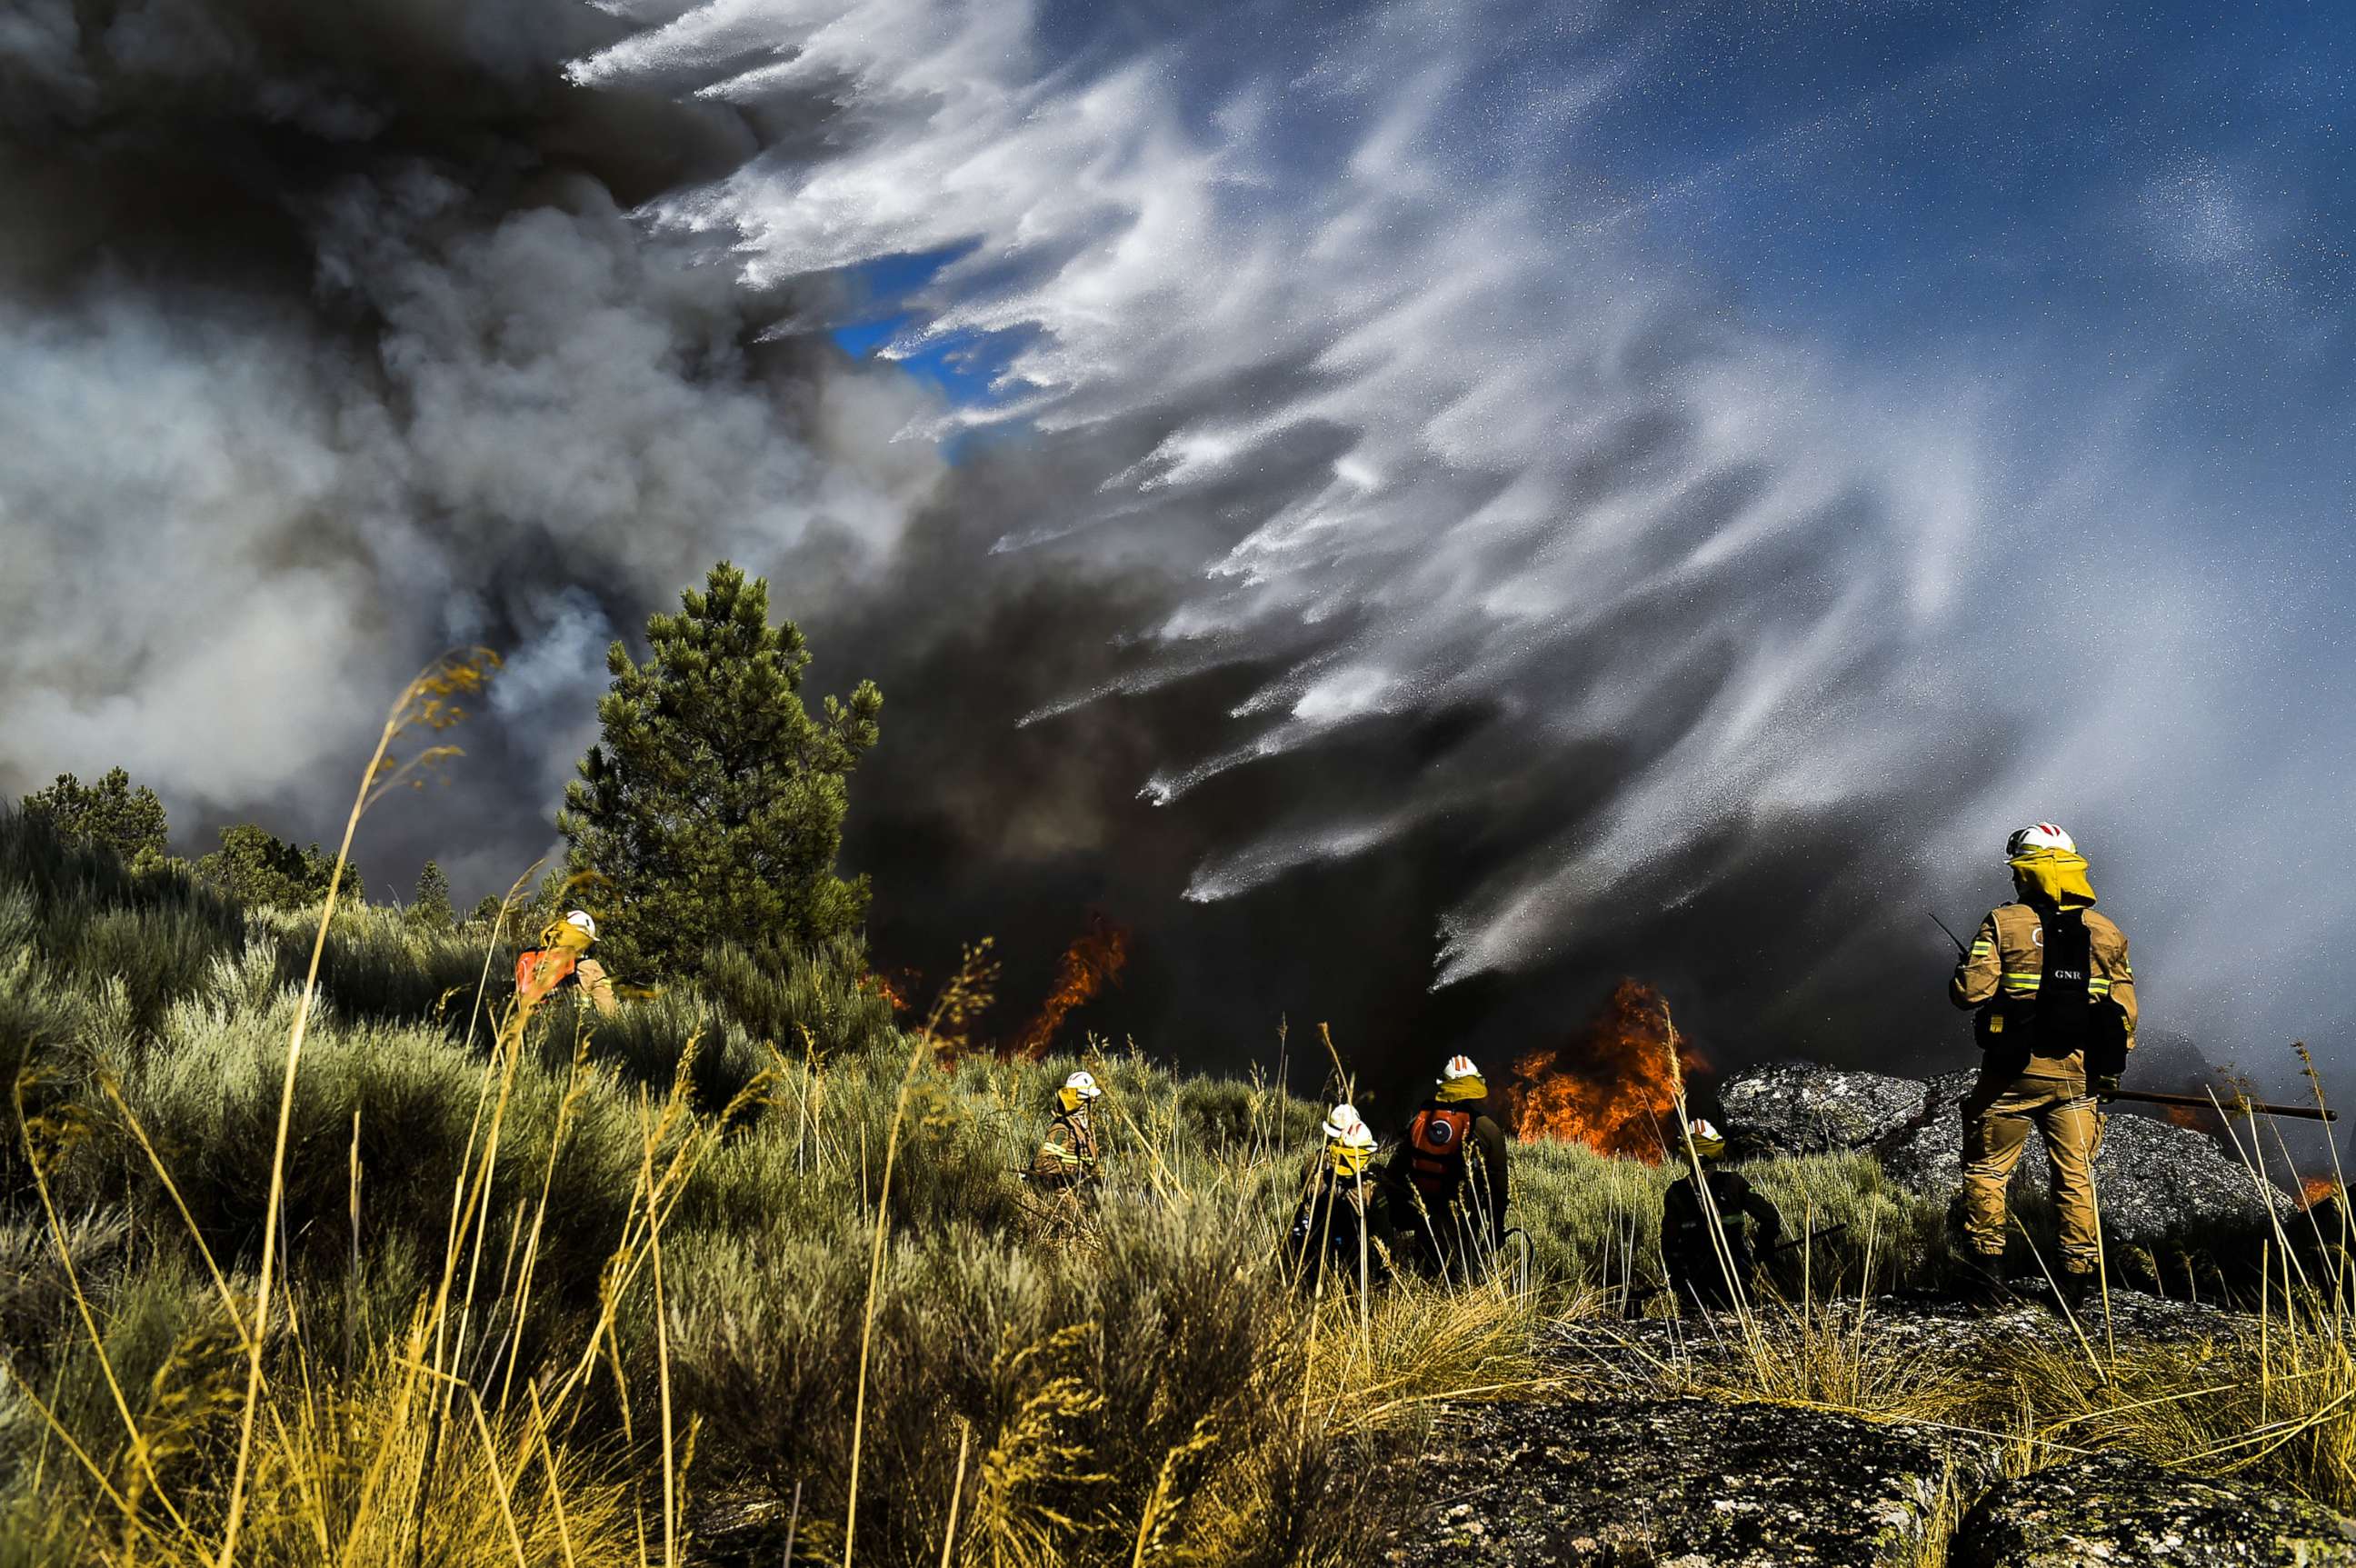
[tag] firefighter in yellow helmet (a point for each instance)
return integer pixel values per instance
(2053, 1005)
(1339, 1220)
(1068, 1158)
(1748, 1225)
(562, 959)
(1448, 1179)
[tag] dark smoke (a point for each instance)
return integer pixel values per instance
(1380, 580)
(328, 344)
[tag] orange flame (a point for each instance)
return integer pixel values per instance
(2187, 1117)
(1613, 1089)
(2317, 1189)
(893, 989)
(1093, 962)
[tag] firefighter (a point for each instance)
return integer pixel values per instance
(562, 959)
(1340, 1213)
(1751, 1227)
(1067, 1159)
(2053, 1005)
(1449, 1175)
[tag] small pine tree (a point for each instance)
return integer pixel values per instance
(263, 872)
(431, 908)
(712, 810)
(485, 911)
(110, 812)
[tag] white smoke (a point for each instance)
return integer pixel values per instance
(229, 529)
(1563, 477)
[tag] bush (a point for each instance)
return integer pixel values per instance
(78, 909)
(109, 814)
(380, 964)
(800, 997)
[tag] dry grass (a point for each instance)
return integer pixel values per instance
(315, 1277)
(528, 1303)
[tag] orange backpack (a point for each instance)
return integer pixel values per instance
(539, 970)
(1435, 1143)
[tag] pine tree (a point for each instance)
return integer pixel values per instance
(263, 872)
(431, 907)
(110, 812)
(712, 810)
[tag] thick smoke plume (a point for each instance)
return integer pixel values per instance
(327, 342)
(1322, 527)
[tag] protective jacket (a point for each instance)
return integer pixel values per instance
(540, 972)
(1750, 1225)
(1069, 1155)
(1339, 1216)
(1449, 1175)
(2003, 973)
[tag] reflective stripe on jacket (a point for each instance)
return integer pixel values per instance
(2006, 962)
(1068, 1153)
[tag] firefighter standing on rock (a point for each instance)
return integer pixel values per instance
(2054, 1005)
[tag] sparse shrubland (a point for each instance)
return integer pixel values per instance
(464, 1227)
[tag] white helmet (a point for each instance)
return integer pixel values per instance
(1458, 1066)
(1345, 1124)
(1707, 1141)
(580, 917)
(1083, 1084)
(2039, 836)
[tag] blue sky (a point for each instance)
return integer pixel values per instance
(2153, 201)
(2165, 193)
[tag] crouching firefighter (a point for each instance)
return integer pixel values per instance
(1340, 1219)
(1448, 1176)
(1068, 1158)
(2053, 1005)
(1748, 1225)
(562, 959)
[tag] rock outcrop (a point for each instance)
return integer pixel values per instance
(2158, 1182)
(1799, 1107)
(1688, 1483)
(2110, 1507)
(1663, 1459)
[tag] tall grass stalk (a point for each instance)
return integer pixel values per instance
(139, 1447)
(426, 701)
(964, 994)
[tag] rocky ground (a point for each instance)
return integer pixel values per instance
(1637, 1461)
(1660, 1450)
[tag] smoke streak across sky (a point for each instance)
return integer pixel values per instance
(1524, 497)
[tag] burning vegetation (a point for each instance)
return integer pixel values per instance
(896, 989)
(1092, 963)
(1614, 1088)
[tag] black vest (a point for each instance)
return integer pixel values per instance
(2064, 1002)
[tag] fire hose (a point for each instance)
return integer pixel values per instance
(2230, 1104)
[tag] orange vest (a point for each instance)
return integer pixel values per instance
(539, 970)
(1435, 1151)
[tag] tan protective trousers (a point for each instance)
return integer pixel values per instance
(1998, 1115)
